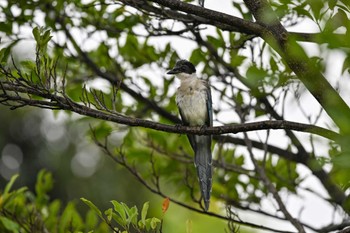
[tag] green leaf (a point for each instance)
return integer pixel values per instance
(46, 37)
(255, 76)
(148, 224)
(102, 130)
(54, 210)
(119, 208)
(217, 43)
(109, 214)
(219, 32)
(128, 212)
(28, 66)
(197, 56)
(316, 7)
(237, 60)
(239, 98)
(70, 219)
(36, 34)
(92, 207)
(341, 161)
(273, 64)
(144, 212)
(332, 4)
(43, 185)
(346, 65)
(122, 222)
(154, 222)
(10, 184)
(13, 197)
(336, 21)
(346, 2)
(44, 182)
(9, 225)
(133, 213)
(300, 9)
(5, 52)
(6, 27)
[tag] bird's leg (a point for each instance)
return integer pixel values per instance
(179, 125)
(203, 128)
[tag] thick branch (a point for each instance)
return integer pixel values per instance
(66, 104)
(199, 15)
(210, 16)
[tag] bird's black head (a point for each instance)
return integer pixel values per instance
(183, 66)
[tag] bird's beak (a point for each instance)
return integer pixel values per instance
(174, 71)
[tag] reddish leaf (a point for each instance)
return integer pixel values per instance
(165, 205)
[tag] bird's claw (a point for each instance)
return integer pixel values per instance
(177, 126)
(203, 128)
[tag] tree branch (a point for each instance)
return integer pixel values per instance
(308, 73)
(199, 15)
(207, 16)
(65, 103)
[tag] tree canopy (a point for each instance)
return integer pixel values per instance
(278, 72)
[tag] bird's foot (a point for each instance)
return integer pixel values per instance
(178, 126)
(203, 128)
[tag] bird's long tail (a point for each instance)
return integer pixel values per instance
(203, 163)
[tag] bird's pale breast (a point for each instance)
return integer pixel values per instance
(191, 99)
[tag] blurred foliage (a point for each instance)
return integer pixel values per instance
(112, 57)
(23, 211)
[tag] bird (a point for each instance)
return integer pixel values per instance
(201, 3)
(193, 98)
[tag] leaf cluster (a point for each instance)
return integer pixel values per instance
(24, 211)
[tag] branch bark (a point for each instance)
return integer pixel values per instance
(230, 23)
(208, 16)
(64, 103)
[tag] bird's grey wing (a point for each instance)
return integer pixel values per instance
(209, 121)
(189, 136)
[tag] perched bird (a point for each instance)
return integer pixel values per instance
(193, 99)
(201, 3)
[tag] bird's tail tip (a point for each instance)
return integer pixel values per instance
(206, 205)
(205, 186)
(203, 164)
